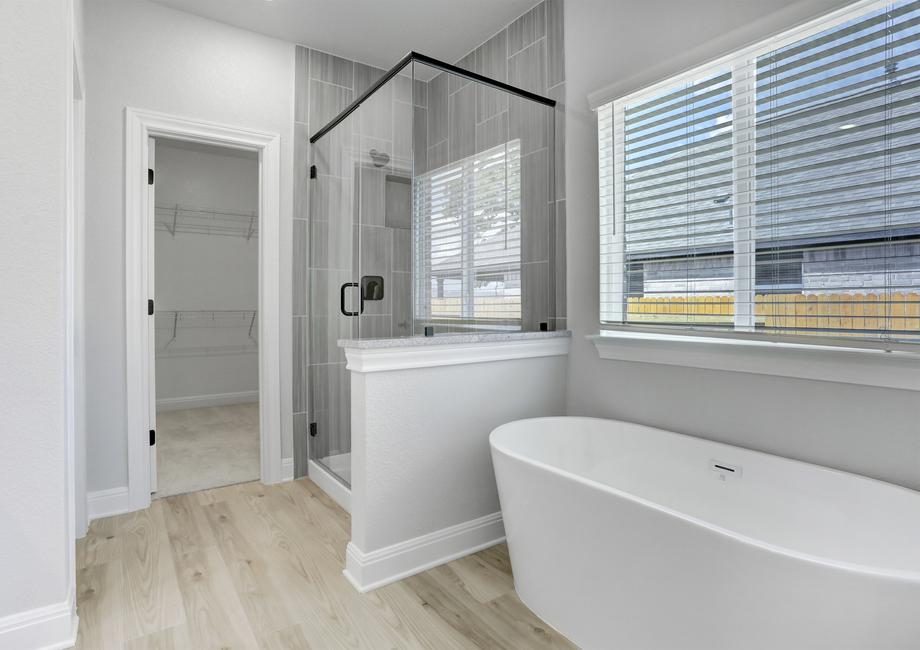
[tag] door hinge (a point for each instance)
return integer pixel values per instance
(313, 429)
(149, 176)
(312, 171)
(153, 437)
(150, 306)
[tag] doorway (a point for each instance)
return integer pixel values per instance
(273, 341)
(206, 264)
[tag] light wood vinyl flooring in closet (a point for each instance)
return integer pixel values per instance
(253, 566)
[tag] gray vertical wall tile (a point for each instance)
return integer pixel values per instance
(326, 101)
(300, 265)
(402, 250)
(331, 69)
(462, 124)
(560, 260)
(372, 196)
(365, 76)
(492, 132)
(456, 82)
(535, 208)
(420, 93)
(491, 58)
(402, 302)
(555, 46)
(527, 29)
(438, 155)
(300, 361)
(375, 117)
(301, 444)
(535, 303)
(530, 123)
(403, 115)
(527, 68)
(301, 84)
(376, 326)
(398, 202)
(420, 140)
(437, 109)
(301, 170)
(402, 87)
(558, 93)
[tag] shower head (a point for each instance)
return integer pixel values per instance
(379, 158)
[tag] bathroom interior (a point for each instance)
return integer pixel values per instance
(437, 324)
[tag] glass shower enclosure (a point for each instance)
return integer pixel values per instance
(431, 206)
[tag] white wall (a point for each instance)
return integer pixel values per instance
(147, 56)
(421, 461)
(630, 44)
(36, 431)
(206, 272)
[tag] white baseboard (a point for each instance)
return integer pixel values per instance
(106, 503)
(201, 401)
(287, 469)
(368, 571)
(45, 628)
(330, 485)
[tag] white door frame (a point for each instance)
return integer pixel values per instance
(140, 125)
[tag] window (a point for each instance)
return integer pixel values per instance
(468, 240)
(777, 190)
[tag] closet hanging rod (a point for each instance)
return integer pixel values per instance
(206, 221)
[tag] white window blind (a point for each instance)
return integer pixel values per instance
(468, 239)
(776, 191)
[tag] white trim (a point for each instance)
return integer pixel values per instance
(615, 92)
(287, 469)
(853, 365)
(52, 627)
(426, 356)
(329, 484)
(140, 125)
(369, 571)
(202, 401)
(105, 503)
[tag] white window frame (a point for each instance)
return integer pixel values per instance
(742, 64)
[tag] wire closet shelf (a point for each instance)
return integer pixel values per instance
(206, 332)
(206, 221)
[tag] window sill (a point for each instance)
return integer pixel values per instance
(863, 366)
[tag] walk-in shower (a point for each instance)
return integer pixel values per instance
(431, 205)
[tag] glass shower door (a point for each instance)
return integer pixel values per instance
(360, 254)
(334, 298)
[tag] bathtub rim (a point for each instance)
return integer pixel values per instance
(868, 570)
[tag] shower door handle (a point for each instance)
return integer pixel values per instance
(342, 291)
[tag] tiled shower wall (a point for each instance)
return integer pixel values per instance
(527, 53)
(465, 118)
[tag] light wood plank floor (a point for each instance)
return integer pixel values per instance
(250, 566)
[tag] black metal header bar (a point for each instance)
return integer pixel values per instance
(434, 63)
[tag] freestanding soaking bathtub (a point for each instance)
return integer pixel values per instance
(625, 537)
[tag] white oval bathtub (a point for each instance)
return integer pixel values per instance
(626, 537)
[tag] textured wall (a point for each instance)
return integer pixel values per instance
(422, 442)
(36, 540)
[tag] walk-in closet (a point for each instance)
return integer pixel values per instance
(206, 288)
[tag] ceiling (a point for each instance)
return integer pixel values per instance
(376, 32)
